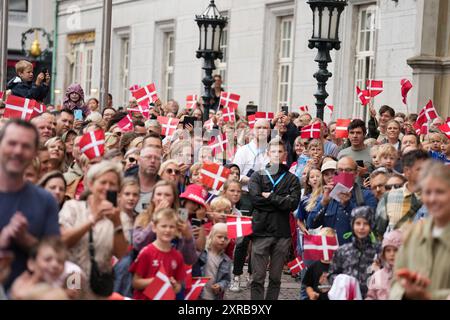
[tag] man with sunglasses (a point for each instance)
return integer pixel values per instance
(401, 205)
(337, 214)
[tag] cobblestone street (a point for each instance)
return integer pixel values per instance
(290, 289)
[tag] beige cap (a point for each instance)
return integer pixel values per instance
(329, 165)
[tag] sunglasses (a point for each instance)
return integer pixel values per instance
(173, 171)
(393, 186)
(132, 160)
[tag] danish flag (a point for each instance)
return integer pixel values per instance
(126, 124)
(427, 113)
(92, 144)
(144, 110)
(218, 144)
(264, 116)
(239, 226)
(160, 288)
(168, 125)
(363, 96)
(229, 100)
(209, 125)
(214, 175)
(311, 131)
(304, 109)
(145, 94)
(18, 107)
(374, 87)
(228, 115)
(251, 121)
(191, 101)
(331, 108)
(319, 247)
(40, 108)
(342, 128)
(406, 86)
(445, 129)
(296, 266)
(421, 129)
(197, 286)
(1, 94)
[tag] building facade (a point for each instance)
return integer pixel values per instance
(266, 55)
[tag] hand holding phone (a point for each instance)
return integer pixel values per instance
(78, 114)
(196, 222)
(183, 212)
(111, 196)
(285, 110)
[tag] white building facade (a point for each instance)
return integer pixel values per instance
(267, 59)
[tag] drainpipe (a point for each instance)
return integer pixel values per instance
(55, 52)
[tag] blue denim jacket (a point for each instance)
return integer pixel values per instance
(338, 217)
(223, 276)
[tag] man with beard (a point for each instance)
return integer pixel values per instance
(64, 122)
(149, 163)
(28, 213)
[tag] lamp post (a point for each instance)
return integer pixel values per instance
(211, 24)
(326, 18)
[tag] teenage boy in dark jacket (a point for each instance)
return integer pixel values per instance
(275, 193)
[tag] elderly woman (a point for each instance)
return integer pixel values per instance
(55, 183)
(170, 171)
(57, 151)
(95, 221)
(421, 266)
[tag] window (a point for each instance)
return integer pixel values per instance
(221, 64)
(124, 69)
(18, 5)
(365, 54)
(83, 54)
(169, 62)
(285, 60)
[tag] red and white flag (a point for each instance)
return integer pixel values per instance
(197, 286)
(296, 266)
(264, 116)
(214, 175)
(331, 108)
(445, 129)
(427, 113)
(168, 125)
(229, 100)
(1, 94)
(363, 96)
(239, 226)
(191, 101)
(319, 247)
(144, 110)
(160, 288)
(209, 124)
(311, 131)
(421, 128)
(304, 109)
(374, 87)
(18, 107)
(39, 108)
(92, 144)
(126, 124)
(251, 121)
(218, 144)
(228, 115)
(406, 86)
(342, 128)
(145, 95)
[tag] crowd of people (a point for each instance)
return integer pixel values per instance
(74, 225)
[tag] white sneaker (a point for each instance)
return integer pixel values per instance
(235, 285)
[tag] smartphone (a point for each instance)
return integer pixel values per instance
(78, 115)
(189, 120)
(285, 110)
(250, 172)
(111, 196)
(44, 71)
(360, 163)
(196, 222)
(183, 212)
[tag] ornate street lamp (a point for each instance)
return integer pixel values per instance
(211, 25)
(326, 18)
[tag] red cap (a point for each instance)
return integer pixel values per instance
(195, 193)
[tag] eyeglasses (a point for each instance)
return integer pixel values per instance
(393, 186)
(118, 133)
(132, 160)
(173, 171)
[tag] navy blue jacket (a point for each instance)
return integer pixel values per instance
(28, 90)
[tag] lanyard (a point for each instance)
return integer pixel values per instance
(272, 181)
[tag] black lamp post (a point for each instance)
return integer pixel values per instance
(211, 25)
(326, 18)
